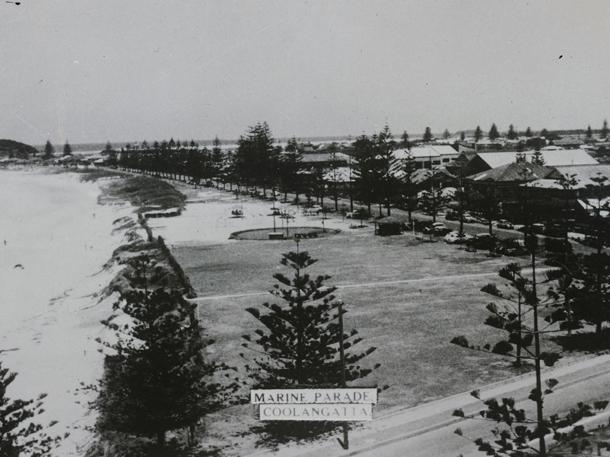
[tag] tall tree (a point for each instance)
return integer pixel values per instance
(589, 132)
(49, 150)
(528, 132)
(462, 136)
(511, 135)
(387, 166)
(365, 180)
(409, 190)
(446, 134)
(428, 135)
(537, 157)
(289, 177)
(217, 158)
(405, 143)
(523, 337)
(433, 200)
(298, 339)
(255, 157)
(19, 433)
(478, 133)
(155, 376)
(292, 145)
(67, 149)
(493, 132)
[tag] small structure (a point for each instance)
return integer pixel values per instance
(388, 225)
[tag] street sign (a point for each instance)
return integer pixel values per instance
(343, 404)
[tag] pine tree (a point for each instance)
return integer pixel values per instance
(387, 165)
(405, 143)
(519, 337)
(217, 159)
(427, 135)
(537, 157)
(67, 149)
(589, 133)
(446, 134)
(478, 133)
(462, 136)
(528, 132)
(19, 434)
(365, 180)
(155, 377)
(511, 135)
(49, 150)
(292, 145)
(409, 189)
(493, 132)
(298, 341)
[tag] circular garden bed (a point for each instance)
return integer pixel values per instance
(291, 234)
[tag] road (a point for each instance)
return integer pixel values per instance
(427, 430)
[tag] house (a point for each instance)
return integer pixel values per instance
(425, 178)
(503, 186)
(553, 157)
(428, 155)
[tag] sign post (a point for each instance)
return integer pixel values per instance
(345, 443)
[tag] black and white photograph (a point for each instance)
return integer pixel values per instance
(304, 228)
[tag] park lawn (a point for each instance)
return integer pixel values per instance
(410, 324)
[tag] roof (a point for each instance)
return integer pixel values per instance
(391, 220)
(585, 173)
(554, 158)
(593, 204)
(317, 157)
(425, 151)
(423, 174)
(515, 171)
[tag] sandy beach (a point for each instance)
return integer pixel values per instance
(54, 241)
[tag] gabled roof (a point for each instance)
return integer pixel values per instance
(553, 158)
(585, 173)
(425, 151)
(424, 174)
(317, 157)
(516, 171)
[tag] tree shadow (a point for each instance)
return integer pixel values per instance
(275, 433)
(584, 341)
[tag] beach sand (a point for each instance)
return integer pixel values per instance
(54, 240)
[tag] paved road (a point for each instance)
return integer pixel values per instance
(428, 430)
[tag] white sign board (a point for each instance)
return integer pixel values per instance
(341, 412)
(367, 395)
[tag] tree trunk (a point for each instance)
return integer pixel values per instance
(539, 411)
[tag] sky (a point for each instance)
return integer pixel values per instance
(129, 70)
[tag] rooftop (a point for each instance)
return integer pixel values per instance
(554, 157)
(425, 151)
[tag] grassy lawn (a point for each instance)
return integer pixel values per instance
(411, 324)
